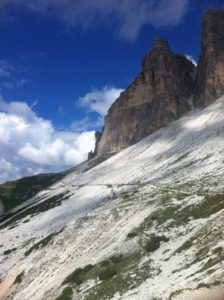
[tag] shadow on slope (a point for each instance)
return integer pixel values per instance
(15, 193)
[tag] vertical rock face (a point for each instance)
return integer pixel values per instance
(210, 75)
(166, 88)
(161, 93)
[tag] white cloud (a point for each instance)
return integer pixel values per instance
(126, 16)
(87, 124)
(191, 58)
(30, 144)
(100, 100)
(11, 172)
(97, 101)
(8, 171)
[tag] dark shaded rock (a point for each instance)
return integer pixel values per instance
(160, 94)
(210, 74)
(166, 88)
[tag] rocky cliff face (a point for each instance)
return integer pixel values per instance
(210, 74)
(166, 88)
(161, 93)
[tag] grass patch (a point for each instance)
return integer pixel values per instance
(7, 252)
(176, 293)
(115, 259)
(36, 209)
(66, 294)
(154, 242)
(107, 273)
(186, 245)
(42, 243)
(177, 216)
(180, 158)
(129, 196)
(203, 285)
(104, 263)
(132, 234)
(87, 268)
(144, 226)
(111, 275)
(128, 276)
(16, 192)
(212, 262)
(19, 278)
(74, 277)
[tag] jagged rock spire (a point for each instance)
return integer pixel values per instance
(210, 75)
(166, 88)
(157, 96)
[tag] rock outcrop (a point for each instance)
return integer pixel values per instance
(210, 74)
(161, 93)
(167, 87)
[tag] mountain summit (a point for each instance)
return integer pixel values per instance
(167, 87)
(210, 73)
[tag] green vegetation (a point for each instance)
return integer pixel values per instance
(19, 278)
(104, 263)
(66, 294)
(180, 158)
(213, 260)
(16, 192)
(177, 216)
(42, 243)
(7, 252)
(107, 273)
(87, 268)
(203, 285)
(115, 259)
(176, 293)
(144, 226)
(118, 273)
(154, 242)
(74, 277)
(132, 234)
(36, 209)
(186, 245)
(128, 276)
(103, 270)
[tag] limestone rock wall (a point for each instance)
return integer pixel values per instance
(167, 87)
(161, 93)
(210, 74)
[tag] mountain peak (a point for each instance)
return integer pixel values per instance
(167, 87)
(210, 74)
(160, 43)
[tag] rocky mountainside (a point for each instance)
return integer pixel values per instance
(166, 88)
(14, 193)
(144, 224)
(210, 74)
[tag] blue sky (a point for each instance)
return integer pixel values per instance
(62, 64)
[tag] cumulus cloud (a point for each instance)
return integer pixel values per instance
(99, 100)
(87, 124)
(191, 58)
(126, 16)
(30, 144)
